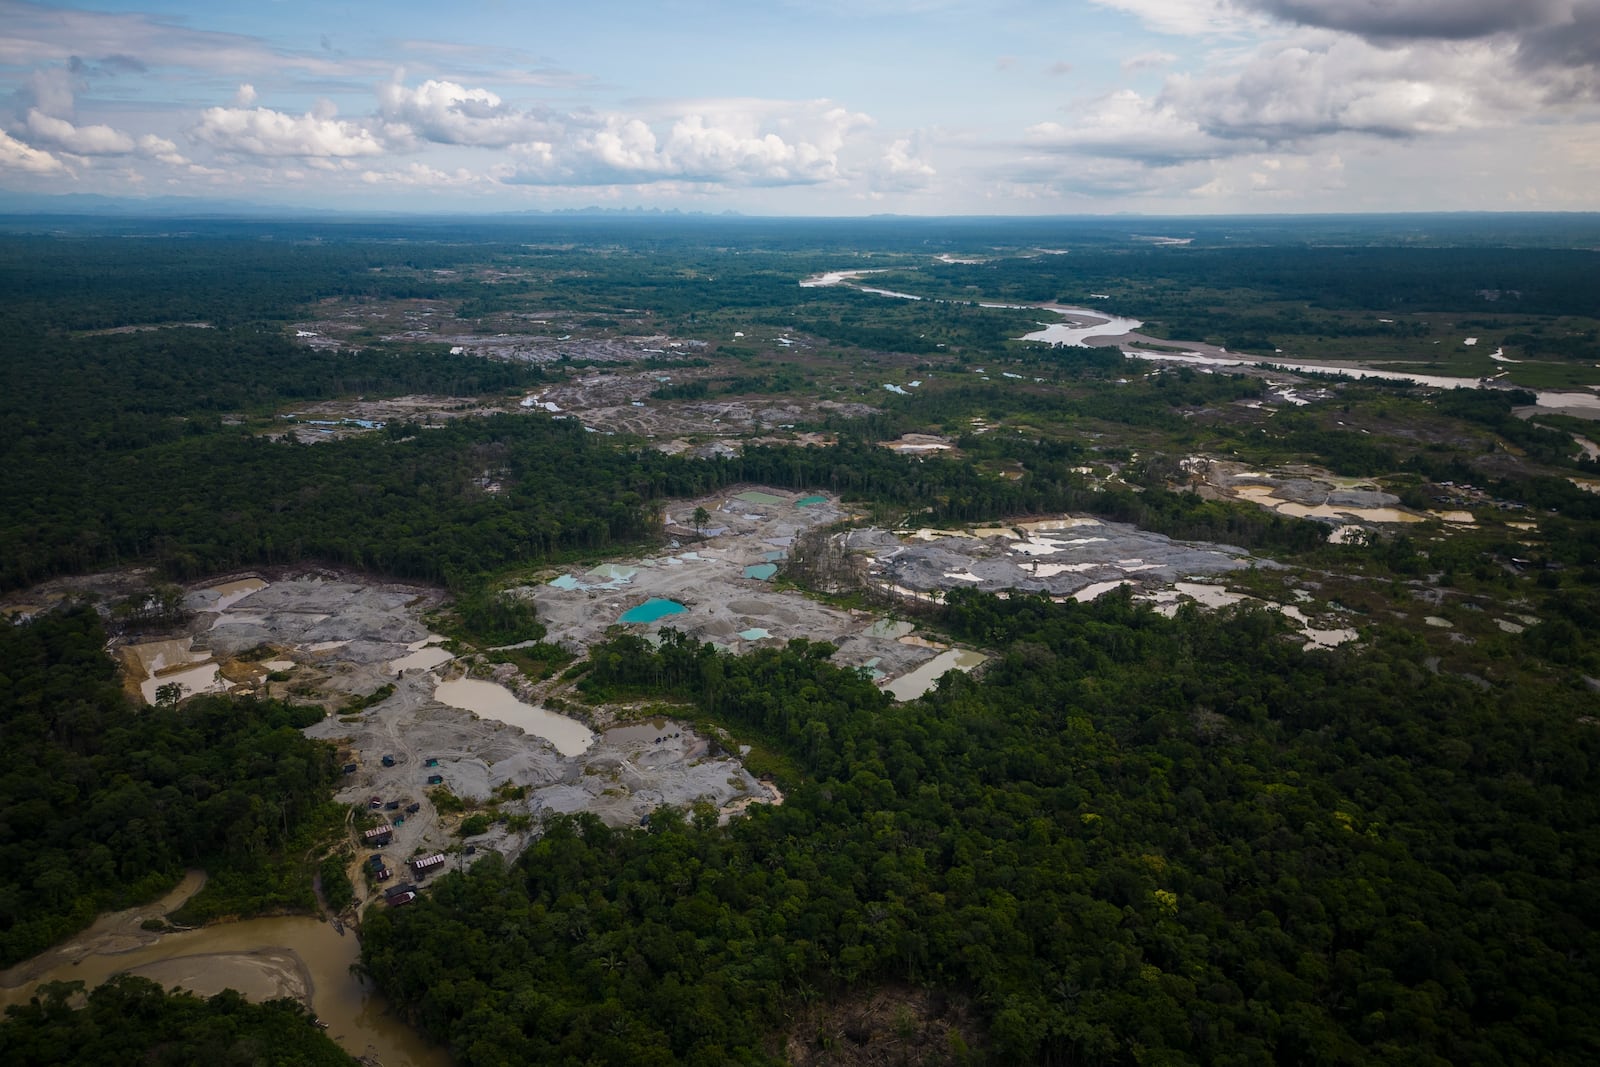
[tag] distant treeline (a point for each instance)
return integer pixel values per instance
(408, 501)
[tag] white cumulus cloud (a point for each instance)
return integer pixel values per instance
(264, 132)
(902, 169)
(420, 175)
(24, 158)
(79, 140)
(445, 112)
(734, 142)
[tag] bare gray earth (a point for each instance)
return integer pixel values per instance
(707, 575)
(1059, 558)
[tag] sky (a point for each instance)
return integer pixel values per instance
(810, 107)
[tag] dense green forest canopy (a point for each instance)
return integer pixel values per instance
(103, 804)
(140, 446)
(1132, 839)
(132, 1020)
(1135, 839)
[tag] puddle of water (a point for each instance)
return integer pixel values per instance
(1056, 525)
(651, 610)
(1211, 596)
(152, 656)
(613, 573)
(1050, 570)
(808, 501)
(761, 571)
(890, 629)
(230, 593)
(913, 684)
(918, 641)
(566, 582)
(1089, 592)
(201, 679)
(168, 662)
(1265, 496)
(756, 497)
(1315, 637)
(755, 633)
(490, 701)
(1045, 546)
(425, 658)
(927, 534)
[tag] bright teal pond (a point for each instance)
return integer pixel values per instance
(651, 610)
(761, 571)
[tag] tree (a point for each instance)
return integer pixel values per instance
(701, 517)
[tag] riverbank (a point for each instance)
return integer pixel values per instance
(285, 956)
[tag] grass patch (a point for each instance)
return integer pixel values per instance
(540, 661)
(446, 802)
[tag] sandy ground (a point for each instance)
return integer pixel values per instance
(114, 932)
(260, 974)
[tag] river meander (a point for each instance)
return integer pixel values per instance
(1083, 324)
(295, 956)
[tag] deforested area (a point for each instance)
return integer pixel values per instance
(770, 641)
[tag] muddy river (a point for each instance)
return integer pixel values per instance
(289, 956)
(1084, 323)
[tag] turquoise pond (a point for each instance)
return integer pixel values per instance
(807, 501)
(761, 571)
(651, 610)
